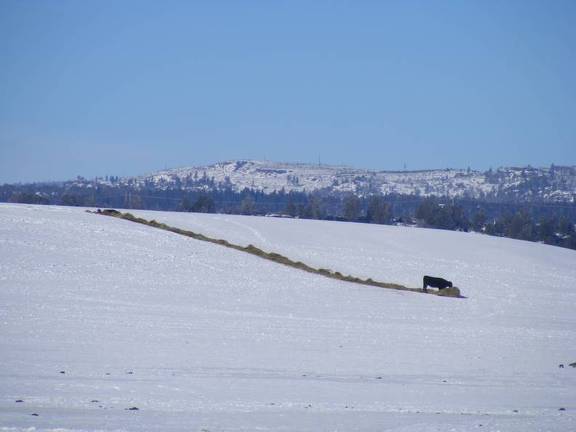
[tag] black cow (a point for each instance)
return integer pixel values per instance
(435, 282)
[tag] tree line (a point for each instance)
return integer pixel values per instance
(543, 222)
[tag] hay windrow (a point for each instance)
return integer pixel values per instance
(273, 256)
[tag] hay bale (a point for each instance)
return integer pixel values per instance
(449, 292)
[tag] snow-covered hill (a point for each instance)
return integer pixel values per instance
(99, 315)
(555, 184)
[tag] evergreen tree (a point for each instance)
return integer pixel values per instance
(351, 207)
(565, 227)
(315, 208)
(204, 204)
(547, 230)
(248, 205)
(479, 220)
(519, 226)
(378, 211)
(291, 207)
(186, 204)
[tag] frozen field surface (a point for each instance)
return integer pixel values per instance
(99, 315)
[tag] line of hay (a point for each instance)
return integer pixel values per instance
(273, 256)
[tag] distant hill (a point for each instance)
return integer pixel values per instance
(554, 184)
(551, 184)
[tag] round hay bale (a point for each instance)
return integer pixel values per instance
(449, 292)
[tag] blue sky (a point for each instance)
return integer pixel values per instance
(128, 87)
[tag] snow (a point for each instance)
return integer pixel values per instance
(201, 337)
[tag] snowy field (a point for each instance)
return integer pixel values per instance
(99, 315)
